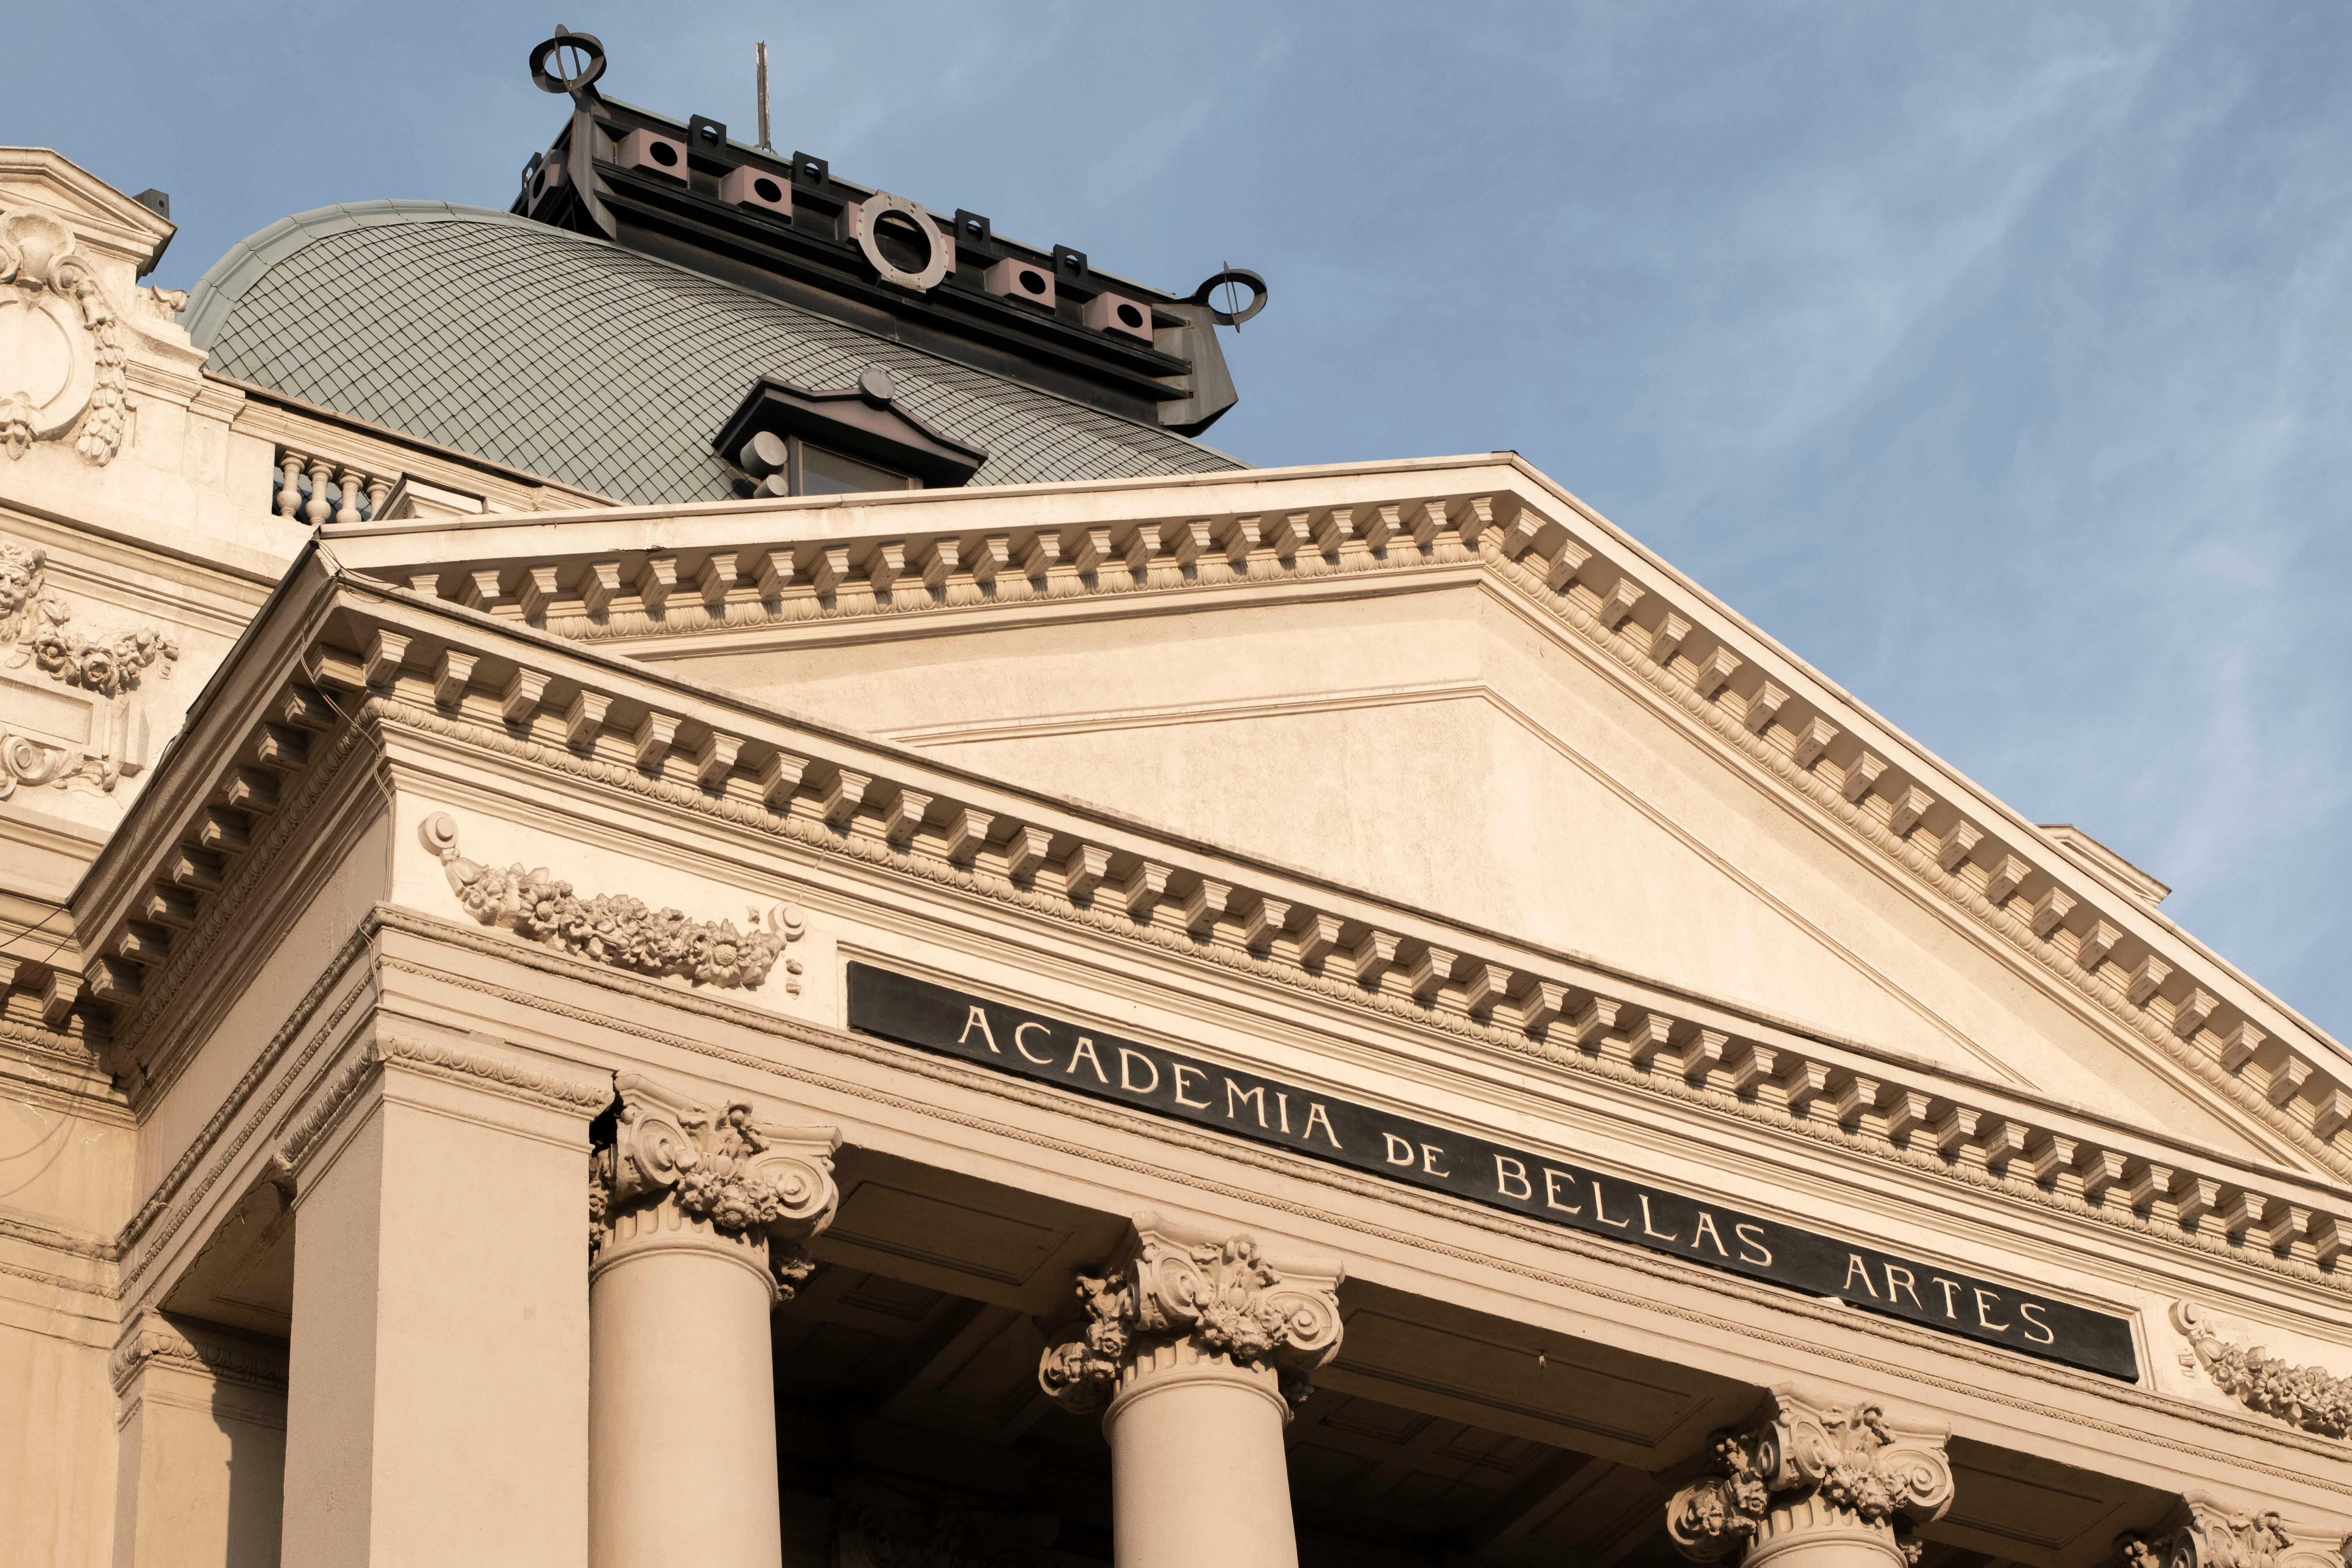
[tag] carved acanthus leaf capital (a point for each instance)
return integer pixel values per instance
(2206, 1532)
(1218, 1298)
(1848, 1462)
(674, 1164)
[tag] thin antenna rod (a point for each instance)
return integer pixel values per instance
(764, 147)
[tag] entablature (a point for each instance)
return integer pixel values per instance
(546, 730)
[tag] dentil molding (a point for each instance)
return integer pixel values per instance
(618, 930)
(675, 1169)
(2305, 1397)
(1811, 1469)
(1205, 1298)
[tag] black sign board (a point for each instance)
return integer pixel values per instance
(1267, 1111)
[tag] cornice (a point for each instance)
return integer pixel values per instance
(153, 1339)
(1383, 1196)
(2023, 895)
(1607, 1055)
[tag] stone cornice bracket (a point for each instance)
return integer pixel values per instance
(678, 1173)
(2305, 1397)
(1180, 1297)
(1810, 1471)
(2207, 1533)
(616, 928)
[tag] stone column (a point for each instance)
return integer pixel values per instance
(436, 1406)
(693, 1216)
(1195, 1347)
(1815, 1486)
(203, 1456)
(2205, 1532)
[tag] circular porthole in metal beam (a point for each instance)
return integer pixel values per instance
(904, 222)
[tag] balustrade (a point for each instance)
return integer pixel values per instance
(319, 489)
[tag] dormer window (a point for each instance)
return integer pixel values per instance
(787, 441)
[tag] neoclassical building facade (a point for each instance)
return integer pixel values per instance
(797, 931)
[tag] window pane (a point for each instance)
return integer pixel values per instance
(825, 473)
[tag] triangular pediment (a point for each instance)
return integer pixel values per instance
(1450, 686)
(104, 221)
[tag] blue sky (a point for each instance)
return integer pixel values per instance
(1996, 358)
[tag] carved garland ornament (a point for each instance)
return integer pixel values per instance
(61, 342)
(33, 628)
(2302, 1396)
(762, 1188)
(1847, 1460)
(1223, 1298)
(623, 931)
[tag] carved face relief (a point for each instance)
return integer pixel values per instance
(20, 576)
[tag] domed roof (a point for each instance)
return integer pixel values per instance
(594, 366)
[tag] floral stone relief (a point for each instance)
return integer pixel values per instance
(2302, 1396)
(2208, 1535)
(34, 631)
(617, 929)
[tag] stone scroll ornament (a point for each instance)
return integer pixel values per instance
(61, 345)
(2205, 1534)
(1207, 1299)
(2302, 1396)
(623, 931)
(1812, 1470)
(33, 631)
(674, 1163)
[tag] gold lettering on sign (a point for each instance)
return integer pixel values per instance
(1601, 1214)
(1551, 1192)
(976, 1019)
(1396, 1143)
(1855, 1270)
(1986, 1301)
(1949, 1285)
(1899, 1278)
(1507, 1170)
(1086, 1050)
(1316, 1113)
(2036, 1329)
(1019, 1044)
(1282, 1103)
(1126, 1080)
(1650, 1229)
(1236, 1097)
(1763, 1258)
(1180, 1071)
(1706, 1228)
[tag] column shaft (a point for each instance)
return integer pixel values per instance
(1197, 1440)
(199, 1480)
(682, 1411)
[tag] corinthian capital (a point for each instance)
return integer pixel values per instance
(677, 1168)
(1810, 1469)
(1187, 1296)
(2207, 1533)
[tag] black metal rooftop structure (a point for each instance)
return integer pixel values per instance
(788, 227)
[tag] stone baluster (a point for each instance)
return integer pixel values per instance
(694, 1215)
(1195, 1347)
(289, 494)
(1815, 1486)
(2205, 1532)
(319, 509)
(379, 489)
(347, 509)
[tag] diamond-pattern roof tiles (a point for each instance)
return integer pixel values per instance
(588, 363)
